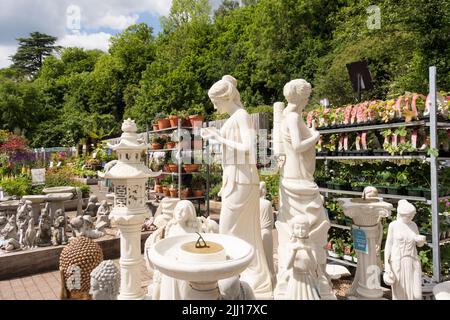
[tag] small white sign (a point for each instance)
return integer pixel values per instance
(37, 176)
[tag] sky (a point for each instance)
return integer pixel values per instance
(80, 23)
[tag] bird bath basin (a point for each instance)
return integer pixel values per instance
(35, 201)
(59, 190)
(177, 257)
(441, 291)
(367, 234)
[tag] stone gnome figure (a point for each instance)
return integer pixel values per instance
(9, 239)
(302, 284)
(59, 228)
(403, 271)
(105, 281)
(44, 233)
(267, 220)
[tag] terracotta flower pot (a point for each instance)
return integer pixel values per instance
(172, 167)
(158, 188)
(163, 123)
(171, 145)
(155, 127)
(173, 121)
(198, 193)
(156, 146)
(185, 193)
(173, 193)
(196, 120)
(166, 191)
(191, 167)
(185, 122)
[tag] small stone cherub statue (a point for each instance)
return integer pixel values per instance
(303, 281)
(103, 220)
(105, 281)
(59, 228)
(234, 289)
(44, 233)
(402, 268)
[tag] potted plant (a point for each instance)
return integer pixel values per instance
(185, 192)
(198, 184)
(214, 192)
(155, 126)
(171, 145)
(158, 187)
(171, 166)
(173, 119)
(173, 191)
(163, 121)
(196, 118)
(157, 143)
(191, 167)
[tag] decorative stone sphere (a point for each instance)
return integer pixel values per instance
(76, 262)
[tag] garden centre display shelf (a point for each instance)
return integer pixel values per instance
(179, 172)
(342, 261)
(432, 124)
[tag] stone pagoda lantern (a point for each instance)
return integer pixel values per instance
(129, 177)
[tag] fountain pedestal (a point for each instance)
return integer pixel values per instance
(201, 270)
(367, 233)
(56, 201)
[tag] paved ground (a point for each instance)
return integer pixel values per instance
(46, 286)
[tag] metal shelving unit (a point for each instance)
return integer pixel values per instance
(180, 172)
(433, 124)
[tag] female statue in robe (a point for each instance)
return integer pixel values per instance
(403, 271)
(239, 215)
(299, 194)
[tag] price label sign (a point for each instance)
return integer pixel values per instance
(360, 241)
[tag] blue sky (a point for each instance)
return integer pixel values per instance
(81, 23)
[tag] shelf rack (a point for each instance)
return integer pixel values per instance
(180, 172)
(433, 124)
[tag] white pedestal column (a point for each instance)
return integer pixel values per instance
(367, 278)
(130, 256)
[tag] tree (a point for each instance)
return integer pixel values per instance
(184, 11)
(225, 7)
(32, 51)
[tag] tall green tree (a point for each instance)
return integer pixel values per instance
(32, 51)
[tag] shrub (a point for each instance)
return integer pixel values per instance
(18, 186)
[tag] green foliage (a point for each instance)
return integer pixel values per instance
(17, 186)
(32, 51)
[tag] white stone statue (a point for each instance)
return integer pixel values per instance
(302, 283)
(403, 271)
(239, 214)
(235, 289)
(105, 281)
(92, 206)
(299, 194)
(23, 215)
(267, 220)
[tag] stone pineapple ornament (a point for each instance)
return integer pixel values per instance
(76, 262)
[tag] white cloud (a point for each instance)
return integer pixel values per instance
(90, 41)
(116, 22)
(5, 53)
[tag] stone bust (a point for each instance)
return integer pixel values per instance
(105, 281)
